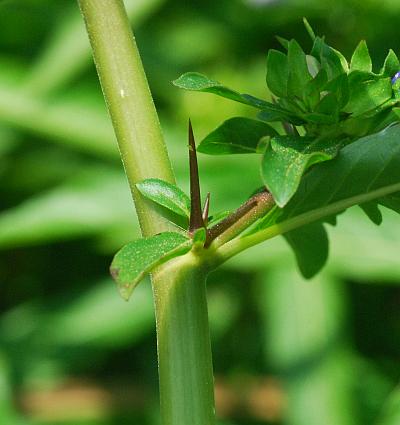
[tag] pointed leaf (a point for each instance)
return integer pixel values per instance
(277, 72)
(199, 237)
(367, 95)
(313, 89)
(340, 87)
(283, 42)
(198, 82)
(285, 161)
(329, 106)
(309, 29)
(236, 135)
(391, 65)
(298, 74)
(311, 247)
(166, 194)
(332, 61)
(361, 61)
(372, 211)
(140, 257)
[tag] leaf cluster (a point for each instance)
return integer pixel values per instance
(328, 141)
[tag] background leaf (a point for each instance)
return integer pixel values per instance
(236, 135)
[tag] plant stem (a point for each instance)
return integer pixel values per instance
(238, 245)
(129, 103)
(184, 349)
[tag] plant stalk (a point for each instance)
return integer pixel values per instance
(184, 349)
(129, 103)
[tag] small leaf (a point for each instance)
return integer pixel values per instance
(165, 194)
(199, 237)
(391, 201)
(285, 161)
(309, 29)
(361, 60)
(313, 89)
(140, 257)
(391, 65)
(311, 247)
(332, 61)
(269, 115)
(372, 211)
(340, 87)
(198, 82)
(329, 106)
(277, 72)
(313, 65)
(367, 95)
(283, 42)
(298, 75)
(236, 135)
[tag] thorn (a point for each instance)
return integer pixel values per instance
(196, 219)
(206, 208)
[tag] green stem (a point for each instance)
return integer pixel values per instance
(129, 103)
(238, 245)
(184, 349)
(184, 353)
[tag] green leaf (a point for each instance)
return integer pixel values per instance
(332, 61)
(199, 237)
(236, 135)
(298, 75)
(313, 89)
(165, 194)
(391, 65)
(283, 42)
(372, 211)
(198, 82)
(311, 247)
(361, 60)
(309, 29)
(391, 201)
(367, 95)
(140, 257)
(329, 106)
(277, 72)
(340, 87)
(366, 169)
(285, 161)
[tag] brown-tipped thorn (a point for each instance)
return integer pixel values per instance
(196, 218)
(206, 209)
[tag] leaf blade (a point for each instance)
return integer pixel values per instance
(311, 248)
(166, 195)
(140, 257)
(236, 135)
(285, 161)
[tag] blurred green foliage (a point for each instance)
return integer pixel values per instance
(286, 351)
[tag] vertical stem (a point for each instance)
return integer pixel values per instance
(184, 352)
(129, 102)
(184, 349)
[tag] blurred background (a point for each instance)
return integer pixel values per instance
(286, 351)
